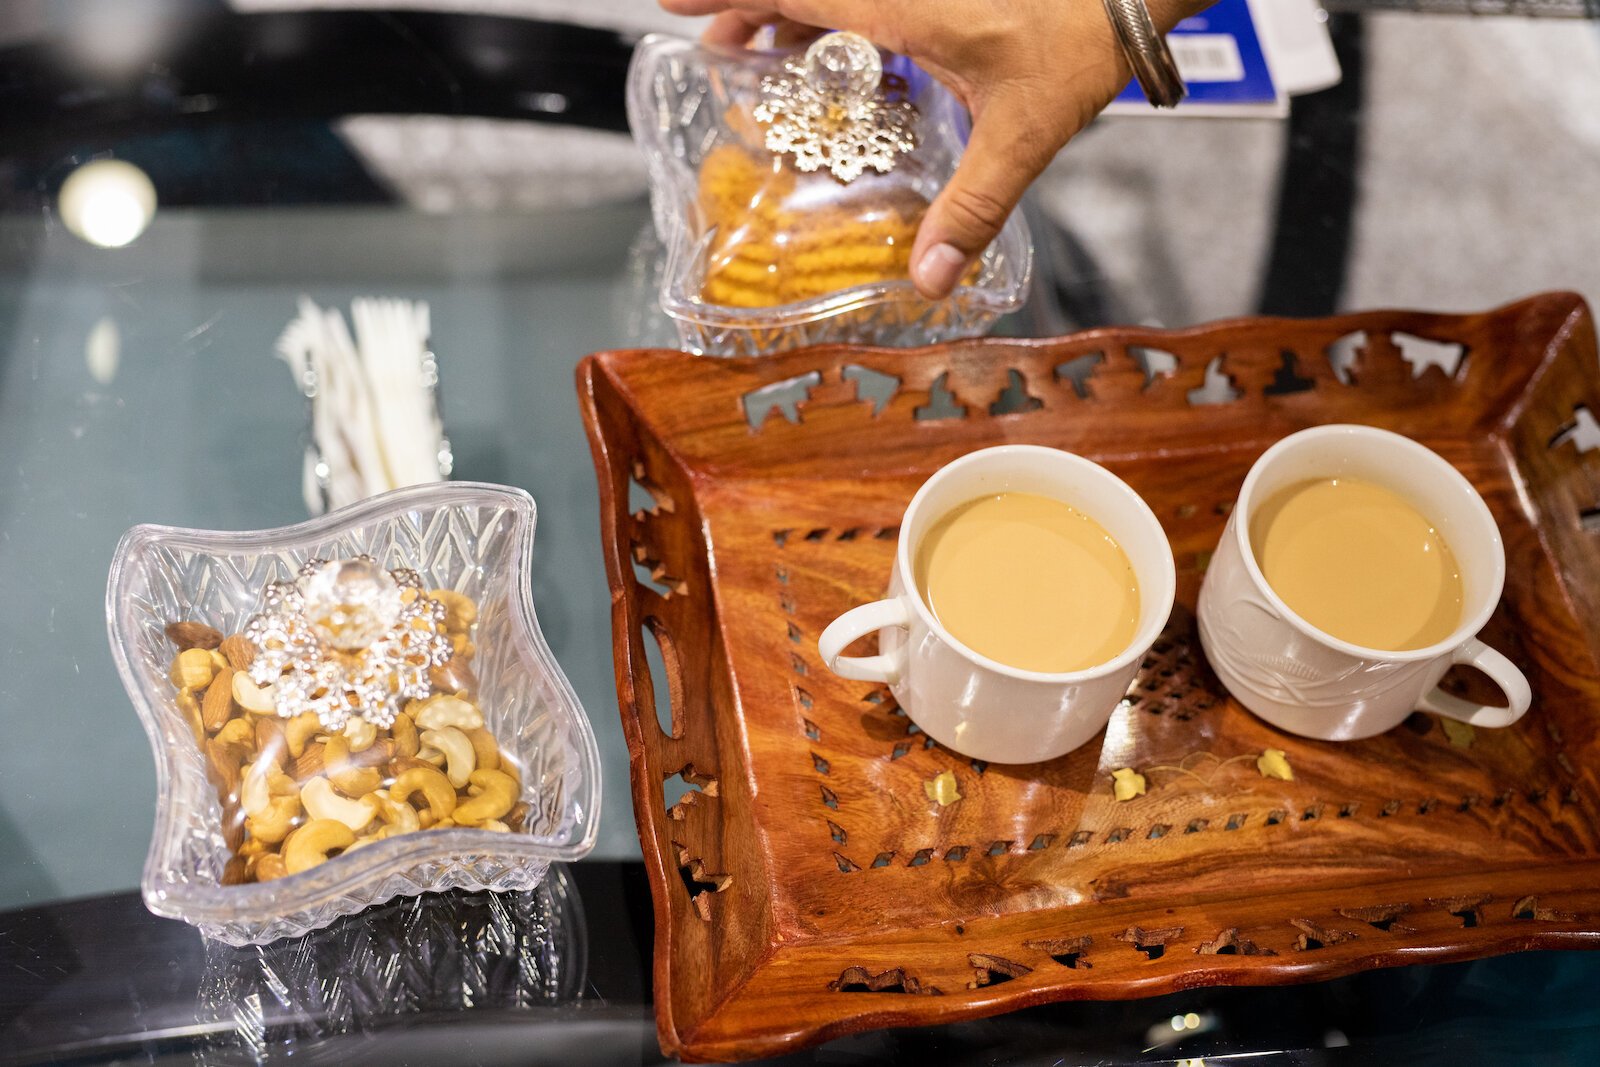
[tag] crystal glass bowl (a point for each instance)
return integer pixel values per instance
(680, 95)
(473, 538)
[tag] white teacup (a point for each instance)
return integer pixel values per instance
(1311, 683)
(976, 705)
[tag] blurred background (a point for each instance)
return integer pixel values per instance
(475, 155)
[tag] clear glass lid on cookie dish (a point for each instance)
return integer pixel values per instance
(787, 187)
(348, 710)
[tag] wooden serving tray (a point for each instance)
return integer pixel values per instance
(807, 886)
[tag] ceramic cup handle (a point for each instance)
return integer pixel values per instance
(1504, 673)
(858, 622)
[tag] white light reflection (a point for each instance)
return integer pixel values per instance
(103, 350)
(107, 203)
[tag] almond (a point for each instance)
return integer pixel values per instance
(225, 762)
(233, 827)
(401, 764)
(187, 635)
(270, 741)
(217, 707)
(309, 763)
(378, 754)
(240, 652)
(235, 872)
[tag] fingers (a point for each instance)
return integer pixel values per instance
(1005, 153)
(736, 29)
(732, 28)
(876, 20)
(695, 8)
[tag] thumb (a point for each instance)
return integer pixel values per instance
(1003, 157)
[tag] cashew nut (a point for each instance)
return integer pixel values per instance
(459, 610)
(191, 714)
(405, 735)
(254, 795)
(218, 660)
(401, 817)
(252, 848)
(280, 784)
(237, 732)
(499, 793)
(432, 784)
(363, 842)
(192, 669)
(335, 752)
(484, 746)
(431, 756)
(496, 825)
(298, 730)
(311, 844)
(459, 756)
(261, 699)
(443, 710)
(275, 825)
(323, 803)
(360, 733)
(356, 781)
(270, 866)
(512, 771)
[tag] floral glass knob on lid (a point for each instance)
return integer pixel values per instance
(836, 108)
(348, 638)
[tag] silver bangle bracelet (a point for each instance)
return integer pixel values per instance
(1147, 52)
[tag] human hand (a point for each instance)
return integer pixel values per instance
(1031, 72)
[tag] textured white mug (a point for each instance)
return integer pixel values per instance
(1311, 683)
(973, 704)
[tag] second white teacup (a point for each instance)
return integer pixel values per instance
(1309, 682)
(975, 705)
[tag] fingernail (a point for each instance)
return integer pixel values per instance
(939, 269)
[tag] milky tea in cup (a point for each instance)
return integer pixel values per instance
(1357, 560)
(1030, 582)
(1356, 569)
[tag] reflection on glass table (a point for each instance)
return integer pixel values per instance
(392, 966)
(561, 975)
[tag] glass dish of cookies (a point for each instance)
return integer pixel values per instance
(348, 710)
(784, 227)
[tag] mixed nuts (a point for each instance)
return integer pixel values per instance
(295, 793)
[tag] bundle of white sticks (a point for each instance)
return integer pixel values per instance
(375, 421)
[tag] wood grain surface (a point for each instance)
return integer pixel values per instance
(808, 885)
